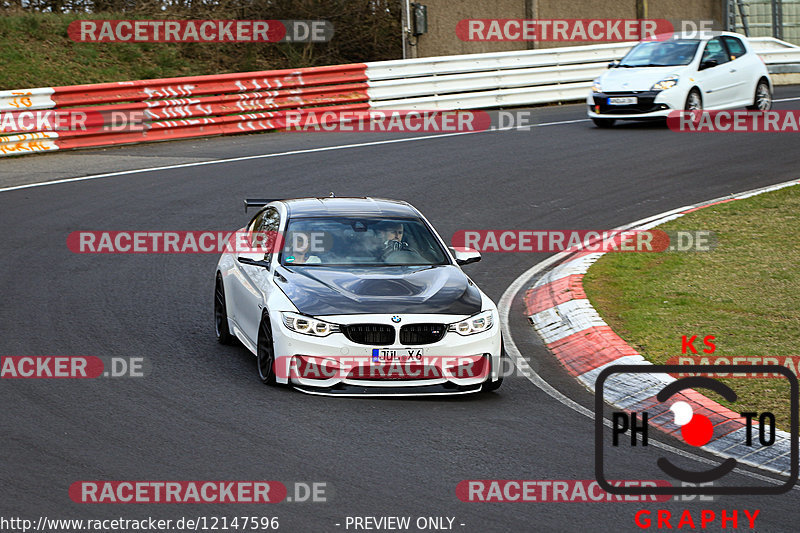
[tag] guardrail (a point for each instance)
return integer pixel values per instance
(513, 78)
(490, 80)
(179, 108)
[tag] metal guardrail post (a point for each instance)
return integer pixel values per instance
(729, 21)
(777, 19)
(743, 15)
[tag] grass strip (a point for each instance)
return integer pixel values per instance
(745, 292)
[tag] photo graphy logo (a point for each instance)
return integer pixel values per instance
(680, 406)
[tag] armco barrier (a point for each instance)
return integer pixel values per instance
(490, 80)
(513, 78)
(135, 91)
(179, 108)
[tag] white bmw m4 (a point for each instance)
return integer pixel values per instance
(356, 296)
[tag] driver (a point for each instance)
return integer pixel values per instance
(390, 235)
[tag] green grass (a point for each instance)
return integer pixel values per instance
(37, 52)
(745, 292)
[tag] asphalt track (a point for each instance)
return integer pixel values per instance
(202, 413)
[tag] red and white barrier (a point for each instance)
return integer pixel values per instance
(179, 108)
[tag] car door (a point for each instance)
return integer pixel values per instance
(715, 81)
(741, 66)
(253, 282)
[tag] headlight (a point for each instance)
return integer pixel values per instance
(308, 326)
(474, 324)
(596, 86)
(666, 83)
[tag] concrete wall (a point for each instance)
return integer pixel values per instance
(583, 9)
(443, 15)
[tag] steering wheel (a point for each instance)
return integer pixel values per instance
(406, 255)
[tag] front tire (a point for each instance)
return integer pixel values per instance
(604, 123)
(265, 359)
(694, 101)
(492, 385)
(762, 100)
(224, 335)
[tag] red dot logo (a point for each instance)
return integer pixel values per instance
(696, 430)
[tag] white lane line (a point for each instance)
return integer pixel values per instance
(557, 123)
(504, 308)
(787, 99)
(281, 154)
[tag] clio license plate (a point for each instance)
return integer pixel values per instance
(623, 100)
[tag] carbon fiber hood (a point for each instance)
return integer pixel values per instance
(317, 290)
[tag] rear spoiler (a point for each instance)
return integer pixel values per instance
(258, 202)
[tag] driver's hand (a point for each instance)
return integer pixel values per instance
(394, 246)
(389, 247)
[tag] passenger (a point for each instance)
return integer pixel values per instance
(299, 253)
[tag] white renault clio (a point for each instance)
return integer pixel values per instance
(718, 70)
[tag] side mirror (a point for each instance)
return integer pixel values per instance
(465, 256)
(614, 64)
(254, 260)
(708, 63)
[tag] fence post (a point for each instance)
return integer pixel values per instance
(777, 19)
(743, 15)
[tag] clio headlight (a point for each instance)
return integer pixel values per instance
(596, 86)
(666, 83)
(474, 324)
(308, 325)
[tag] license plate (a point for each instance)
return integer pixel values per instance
(406, 355)
(623, 100)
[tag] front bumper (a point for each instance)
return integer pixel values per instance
(454, 365)
(650, 104)
(344, 389)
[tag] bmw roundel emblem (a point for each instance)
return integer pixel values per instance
(395, 319)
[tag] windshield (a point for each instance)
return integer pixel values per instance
(661, 53)
(359, 241)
